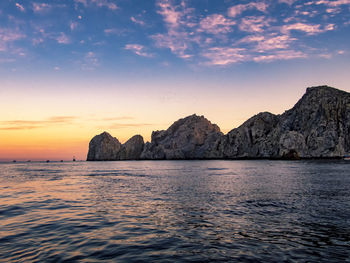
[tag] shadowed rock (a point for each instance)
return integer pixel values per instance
(318, 126)
(104, 147)
(189, 138)
(132, 149)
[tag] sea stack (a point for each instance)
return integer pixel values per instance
(318, 126)
(192, 137)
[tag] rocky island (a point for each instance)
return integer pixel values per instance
(318, 126)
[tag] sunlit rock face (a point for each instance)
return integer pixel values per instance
(193, 137)
(318, 126)
(104, 147)
(321, 123)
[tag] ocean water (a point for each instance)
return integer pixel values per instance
(175, 211)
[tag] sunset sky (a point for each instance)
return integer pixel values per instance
(71, 69)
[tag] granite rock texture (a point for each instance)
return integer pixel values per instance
(192, 137)
(318, 126)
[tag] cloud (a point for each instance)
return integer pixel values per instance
(264, 43)
(238, 9)
(35, 124)
(99, 3)
(137, 21)
(180, 33)
(138, 50)
(73, 26)
(20, 7)
(41, 7)
(127, 125)
(289, 2)
(8, 36)
(280, 55)
(105, 3)
(224, 55)
(254, 24)
(307, 28)
(90, 61)
(333, 3)
(62, 39)
(216, 24)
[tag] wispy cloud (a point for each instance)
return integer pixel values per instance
(280, 55)
(41, 7)
(216, 24)
(90, 61)
(36, 124)
(309, 29)
(138, 50)
(254, 24)
(222, 56)
(178, 21)
(333, 3)
(99, 3)
(116, 126)
(105, 3)
(20, 7)
(137, 21)
(62, 38)
(8, 36)
(238, 9)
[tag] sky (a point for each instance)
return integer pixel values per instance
(71, 69)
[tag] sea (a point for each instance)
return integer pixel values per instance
(175, 211)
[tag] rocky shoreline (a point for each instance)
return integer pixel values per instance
(318, 126)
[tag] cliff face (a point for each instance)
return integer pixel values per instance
(190, 138)
(318, 126)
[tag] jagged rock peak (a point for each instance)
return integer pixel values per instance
(187, 138)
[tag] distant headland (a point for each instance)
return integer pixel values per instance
(318, 126)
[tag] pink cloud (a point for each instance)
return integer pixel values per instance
(20, 7)
(41, 7)
(280, 55)
(8, 36)
(138, 50)
(177, 42)
(307, 28)
(222, 56)
(105, 3)
(264, 43)
(180, 34)
(137, 21)
(289, 2)
(63, 39)
(216, 24)
(238, 9)
(254, 24)
(333, 3)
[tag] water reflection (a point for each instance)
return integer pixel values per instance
(175, 211)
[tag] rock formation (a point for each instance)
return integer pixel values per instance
(190, 138)
(132, 149)
(104, 147)
(318, 126)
